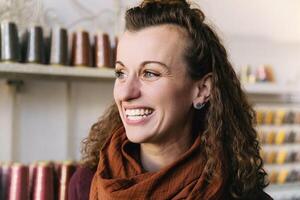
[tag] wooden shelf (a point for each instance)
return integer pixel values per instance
(270, 89)
(38, 71)
(284, 187)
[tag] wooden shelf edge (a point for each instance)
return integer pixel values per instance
(32, 71)
(270, 89)
(283, 187)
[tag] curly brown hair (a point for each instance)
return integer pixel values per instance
(229, 138)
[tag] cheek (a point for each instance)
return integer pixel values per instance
(117, 99)
(179, 100)
(158, 93)
(115, 91)
(167, 95)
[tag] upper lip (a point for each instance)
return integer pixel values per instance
(136, 107)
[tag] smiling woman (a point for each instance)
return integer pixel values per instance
(180, 127)
(142, 77)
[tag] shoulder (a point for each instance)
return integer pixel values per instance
(259, 195)
(264, 196)
(80, 183)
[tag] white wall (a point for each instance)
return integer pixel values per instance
(258, 32)
(268, 19)
(254, 31)
(7, 99)
(49, 121)
(89, 102)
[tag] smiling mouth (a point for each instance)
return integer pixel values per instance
(138, 114)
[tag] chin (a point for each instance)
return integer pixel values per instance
(136, 136)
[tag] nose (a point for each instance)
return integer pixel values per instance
(129, 89)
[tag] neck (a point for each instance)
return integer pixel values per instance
(156, 156)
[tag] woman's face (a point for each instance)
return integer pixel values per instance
(153, 91)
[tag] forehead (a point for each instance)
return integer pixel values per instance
(160, 43)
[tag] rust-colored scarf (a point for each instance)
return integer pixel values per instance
(121, 176)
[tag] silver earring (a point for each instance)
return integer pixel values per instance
(199, 106)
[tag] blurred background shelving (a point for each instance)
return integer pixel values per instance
(271, 89)
(44, 72)
(45, 111)
(277, 114)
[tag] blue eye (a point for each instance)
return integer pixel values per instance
(119, 74)
(149, 74)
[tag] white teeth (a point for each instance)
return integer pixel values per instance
(135, 118)
(138, 112)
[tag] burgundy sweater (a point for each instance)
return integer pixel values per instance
(80, 183)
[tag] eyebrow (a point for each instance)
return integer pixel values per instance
(147, 62)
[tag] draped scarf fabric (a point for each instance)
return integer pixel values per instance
(121, 176)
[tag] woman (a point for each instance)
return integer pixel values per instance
(181, 127)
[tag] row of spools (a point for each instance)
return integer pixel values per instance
(33, 47)
(38, 181)
(277, 116)
(284, 176)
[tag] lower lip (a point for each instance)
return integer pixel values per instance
(141, 121)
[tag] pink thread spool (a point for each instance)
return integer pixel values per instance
(5, 181)
(103, 52)
(43, 189)
(66, 171)
(19, 182)
(81, 49)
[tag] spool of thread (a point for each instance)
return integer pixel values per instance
(114, 52)
(19, 182)
(10, 47)
(81, 49)
(292, 157)
(290, 117)
(259, 117)
(43, 189)
(244, 73)
(66, 172)
(261, 74)
(273, 176)
(0, 179)
(293, 176)
(32, 178)
(57, 169)
(47, 47)
(297, 118)
(291, 137)
(282, 176)
(5, 181)
(35, 52)
(103, 51)
(23, 46)
(59, 46)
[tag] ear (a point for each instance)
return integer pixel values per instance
(203, 89)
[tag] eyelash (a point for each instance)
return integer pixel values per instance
(153, 74)
(119, 74)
